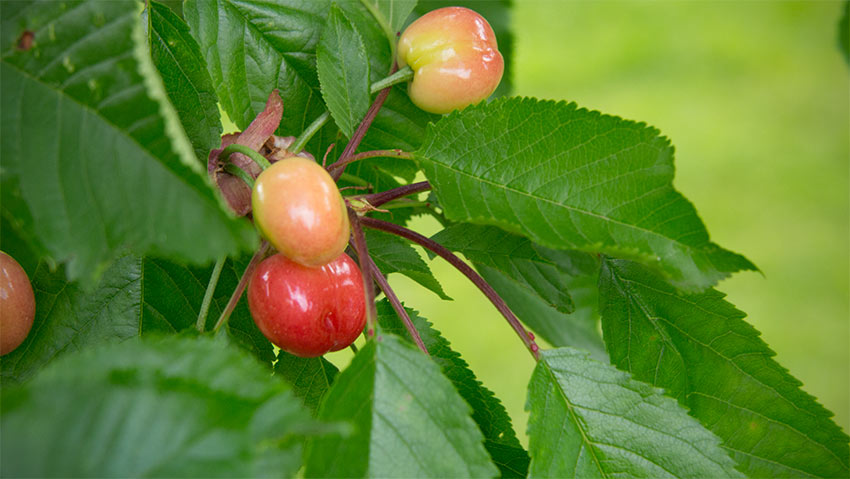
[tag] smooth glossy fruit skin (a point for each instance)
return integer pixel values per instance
(298, 208)
(454, 55)
(17, 304)
(308, 311)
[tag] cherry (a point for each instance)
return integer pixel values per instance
(455, 58)
(308, 311)
(17, 304)
(299, 209)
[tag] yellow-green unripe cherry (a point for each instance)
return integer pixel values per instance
(455, 59)
(299, 210)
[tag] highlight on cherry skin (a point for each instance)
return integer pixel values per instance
(299, 209)
(308, 311)
(454, 55)
(17, 304)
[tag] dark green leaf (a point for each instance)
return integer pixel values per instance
(133, 297)
(310, 378)
(101, 165)
(589, 420)
(343, 71)
(69, 318)
(700, 349)
(395, 255)
(253, 46)
(178, 59)
(487, 411)
(568, 178)
(174, 407)
(498, 15)
(408, 420)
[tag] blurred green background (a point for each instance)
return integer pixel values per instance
(756, 98)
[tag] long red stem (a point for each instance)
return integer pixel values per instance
(464, 268)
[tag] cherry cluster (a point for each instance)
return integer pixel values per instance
(310, 297)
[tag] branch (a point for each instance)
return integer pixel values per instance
(371, 154)
(464, 268)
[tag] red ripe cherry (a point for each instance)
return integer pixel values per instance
(17, 304)
(308, 311)
(298, 208)
(454, 55)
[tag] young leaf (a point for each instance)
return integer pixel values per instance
(568, 178)
(178, 59)
(102, 166)
(487, 411)
(172, 407)
(588, 419)
(408, 420)
(343, 71)
(700, 349)
(395, 255)
(310, 378)
(252, 47)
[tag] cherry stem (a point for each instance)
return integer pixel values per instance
(308, 133)
(361, 130)
(205, 305)
(464, 268)
(259, 159)
(359, 241)
(377, 199)
(371, 154)
(240, 173)
(240, 288)
(399, 308)
(400, 76)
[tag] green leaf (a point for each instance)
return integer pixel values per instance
(702, 351)
(395, 255)
(97, 151)
(568, 178)
(178, 59)
(512, 255)
(487, 411)
(390, 14)
(70, 318)
(536, 282)
(844, 32)
(589, 420)
(173, 407)
(134, 297)
(310, 378)
(408, 420)
(253, 46)
(343, 71)
(576, 330)
(498, 15)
